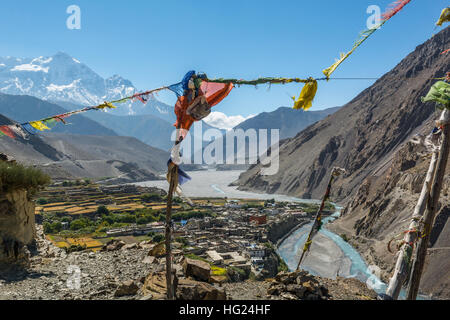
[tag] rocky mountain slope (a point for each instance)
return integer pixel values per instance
(381, 210)
(362, 136)
(66, 156)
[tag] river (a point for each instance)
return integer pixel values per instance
(329, 256)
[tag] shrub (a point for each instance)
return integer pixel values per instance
(42, 201)
(102, 210)
(151, 197)
(15, 176)
(158, 238)
(79, 224)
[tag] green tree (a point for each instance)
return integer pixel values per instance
(102, 210)
(48, 229)
(56, 227)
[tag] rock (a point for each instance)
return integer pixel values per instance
(178, 269)
(197, 269)
(288, 296)
(149, 259)
(194, 290)
(186, 289)
(218, 279)
(176, 252)
(131, 246)
(113, 245)
(300, 284)
(158, 250)
(127, 288)
(276, 289)
(296, 289)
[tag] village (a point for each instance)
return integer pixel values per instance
(227, 233)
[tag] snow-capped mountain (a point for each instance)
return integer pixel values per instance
(61, 78)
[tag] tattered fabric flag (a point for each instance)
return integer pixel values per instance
(39, 125)
(108, 105)
(445, 17)
(199, 96)
(29, 129)
(18, 130)
(6, 130)
(307, 95)
(362, 37)
(142, 98)
(183, 177)
(439, 93)
(50, 123)
(60, 118)
(122, 100)
(392, 10)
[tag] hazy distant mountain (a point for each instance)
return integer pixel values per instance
(287, 120)
(62, 78)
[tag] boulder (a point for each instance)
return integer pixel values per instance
(158, 250)
(299, 285)
(127, 288)
(218, 279)
(113, 245)
(194, 290)
(197, 269)
(186, 289)
(155, 286)
(149, 259)
(131, 246)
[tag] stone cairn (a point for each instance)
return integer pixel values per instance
(298, 285)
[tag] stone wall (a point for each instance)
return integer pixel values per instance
(17, 226)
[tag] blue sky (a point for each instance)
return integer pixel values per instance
(153, 43)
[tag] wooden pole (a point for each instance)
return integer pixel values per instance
(173, 181)
(431, 210)
(404, 256)
(317, 219)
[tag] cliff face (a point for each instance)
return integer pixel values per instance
(362, 136)
(17, 226)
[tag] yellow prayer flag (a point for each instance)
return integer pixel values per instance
(445, 17)
(307, 95)
(108, 105)
(39, 125)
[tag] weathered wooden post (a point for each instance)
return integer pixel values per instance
(404, 255)
(318, 218)
(172, 173)
(430, 213)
